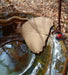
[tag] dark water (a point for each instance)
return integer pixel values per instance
(8, 28)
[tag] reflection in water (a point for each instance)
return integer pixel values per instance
(36, 69)
(15, 57)
(20, 61)
(30, 64)
(17, 60)
(58, 59)
(5, 64)
(44, 66)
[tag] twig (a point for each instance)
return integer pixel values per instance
(59, 15)
(2, 21)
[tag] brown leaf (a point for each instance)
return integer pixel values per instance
(34, 32)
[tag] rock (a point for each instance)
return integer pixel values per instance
(34, 32)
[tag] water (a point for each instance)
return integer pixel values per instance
(1, 32)
(17, 59)
(14, 60)
(58, 58)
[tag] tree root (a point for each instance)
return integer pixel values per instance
(2, 21)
